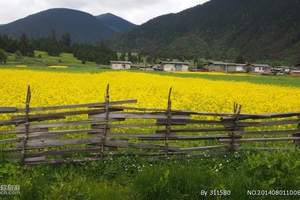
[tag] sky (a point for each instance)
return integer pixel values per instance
(136, 11)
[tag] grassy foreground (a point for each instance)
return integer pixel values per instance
(164, 179)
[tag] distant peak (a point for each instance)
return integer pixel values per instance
(107, 14)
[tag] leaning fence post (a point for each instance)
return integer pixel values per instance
(297, 135)
(106, 121)
(27, 110)
(169, 121)
(233, 126)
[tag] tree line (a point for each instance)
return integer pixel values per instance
(54, 46)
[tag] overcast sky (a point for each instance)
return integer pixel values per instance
(136, 11)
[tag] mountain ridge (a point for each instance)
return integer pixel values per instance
(115, 22)
(83, 27)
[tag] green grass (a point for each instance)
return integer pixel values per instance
(257, 79)
(42, 60)
(161, 179)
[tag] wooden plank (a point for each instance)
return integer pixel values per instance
(161, 137)
(8, 109)
(7, 122)
(63, 124)
(190, 121)
(203, 148)
(269, 116)
(269, 123)
(136, 115)
(139, 109)
(9, 132)
(126, 126)
(59, 133)
(87, 105)
(177, 112)
(22, 120)
(35, 159)
(122, 144)
(64, 152)
(271, 132)
(266, 149)
(56, 143)
(10, 140)
(40, 117)
(62, 161)
(196, 130)
(282, 139)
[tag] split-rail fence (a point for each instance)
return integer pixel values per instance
(93, 131)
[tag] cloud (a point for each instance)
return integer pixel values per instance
(137, 11)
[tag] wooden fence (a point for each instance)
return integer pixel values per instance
(89, 132)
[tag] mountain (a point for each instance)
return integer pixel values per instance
(115, 23)
(83, 27)
(222, 29)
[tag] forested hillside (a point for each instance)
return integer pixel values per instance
(223, 29)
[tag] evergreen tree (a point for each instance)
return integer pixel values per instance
(24, 44)
(66, 42)
(18, 55)
(240, 59)
(3, 57)
(53, 46)
(123, 56)
(129, 57)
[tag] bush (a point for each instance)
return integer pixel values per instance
(18, 55)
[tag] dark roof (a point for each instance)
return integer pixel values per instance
(175, 62)
(260, 65)
(120, 62)
(224, 63)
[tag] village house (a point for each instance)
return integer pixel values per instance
(147, 68)
(261, 68)
(295, 71)
(118, 65)
(170, 66)
(281, 70)
(215, 66)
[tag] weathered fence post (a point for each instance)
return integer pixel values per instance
(168, 121)
(106, 122)
(27, 123)
(297, 142)
(232, 126)
(101, 129)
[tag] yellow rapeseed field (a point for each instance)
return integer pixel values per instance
(52, 88)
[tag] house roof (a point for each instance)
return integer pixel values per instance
(120, 62)
(260, 65)
(238, 64)
(175, 62)
(225, 63)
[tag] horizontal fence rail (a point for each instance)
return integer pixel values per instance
(93, 131)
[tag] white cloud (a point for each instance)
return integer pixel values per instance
(137, 11)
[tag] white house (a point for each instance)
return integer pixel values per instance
(215, 66)
(296, 70)
(261, 68)
(171, 66)
(117, 65)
